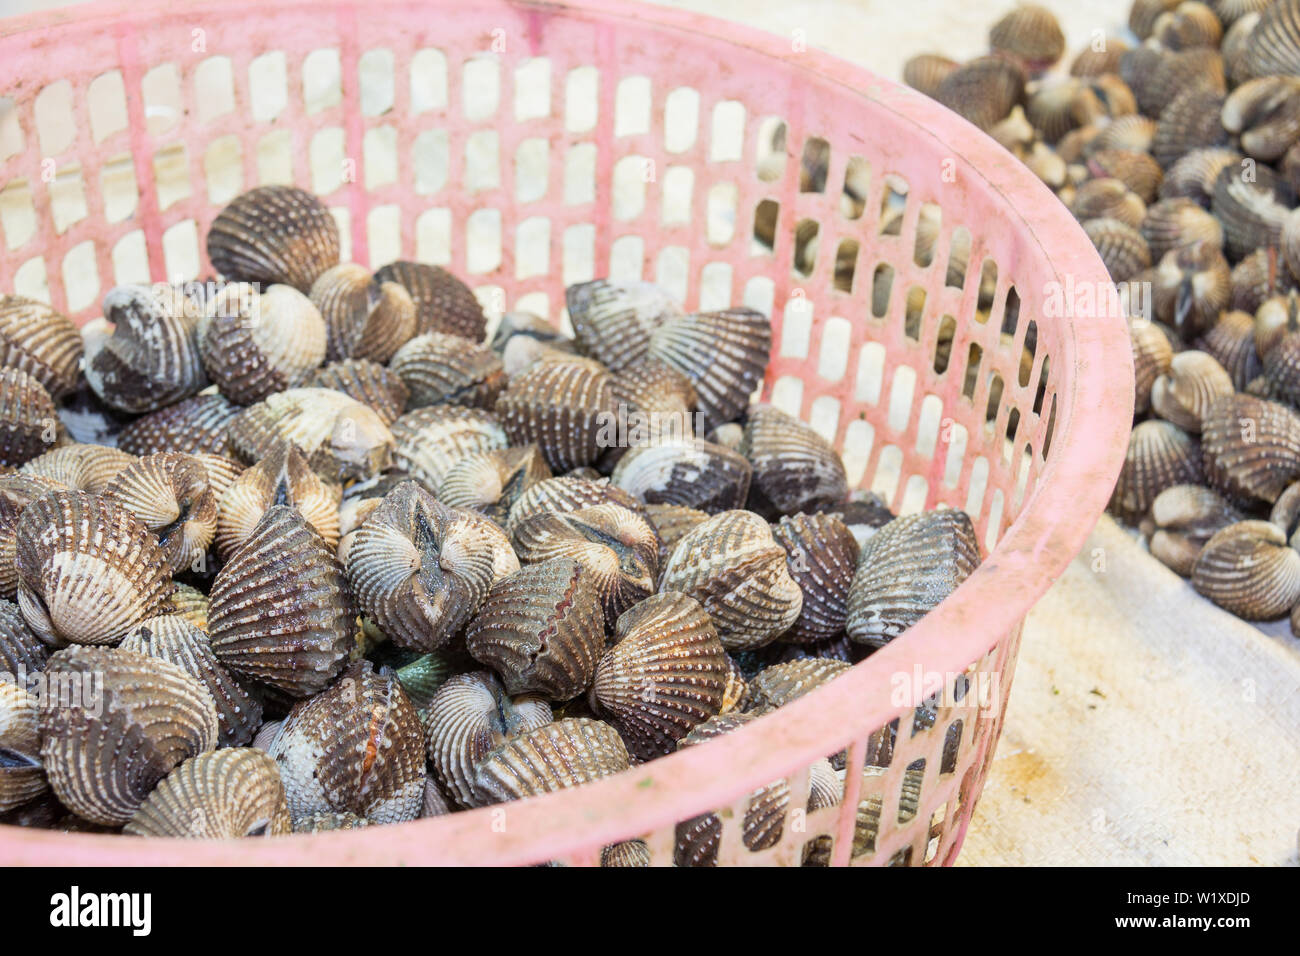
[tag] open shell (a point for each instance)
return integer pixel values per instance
(1184, 394)
(490, 482)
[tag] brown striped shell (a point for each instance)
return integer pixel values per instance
(438, 369)
(925, 71)
(795, 468)
(1131, 133)
(364, 317)
(822, 556)
(566, 408)
(327, 822)
(1231, 341)
(283, 477)
(1259, 277)
(470, 716)
(735, 693)
(733, 566)
(220, 795)
(1251, 448)
(490, 482)
(1264, 114)
(1175, 223)
(16, 492)
(191, 604)
(982, 91)
(368, 382)
(222, 471)
(780, 684)
(1100, 58)
(1122, 248)
(173, 496)
(1186, 391)
(282, 572)
(357, 747)
(443, 303)
(556, 756)
(689, 472)
(1252, 209)
(197, 424)
(45, 344)
(1191, 287)
(430, 440)
(1152, 355)
(1160, 455)
(542, 629)
(905, 569)
(724, 354)
(613, 320)
(21, 776)
(256, 342)
(666, 673)
(671, 522)
(123, 723)
(564, 493)
(1185, 517)
(1031, 34)
(80, 467)
(1193, 176)
(1139, 171)
(628, 853)
(29, 422)
(1108, 198)
(1189, 25)
(1274, 44)
(1156, 84)
(21, 651)
(172, 638)
(1143, 14)
(1230, 11)
(1249, 569)
(274, 234)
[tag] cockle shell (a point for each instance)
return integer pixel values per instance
(21, 776)
(735, 694)
(1249, 569)
(422, 677)
(1092, 61)
(36, 339)
(29, 421)
(671, 522)
(1193, 176)
(1191, 287)
(172, 638)
(1175, 223)
(566, 408)
(326, 822)
(283, 573)
(795, 468)
(925, 71)
(438, 369)
(283, 477)
(1231, 341)
(1108, 198)
(197, 424)
(628, 853)
(1030, 34)
(222, 471)
(172, 495)
(905, 569)
(565, 493)
(151, 357)
(442, 302)
(1274, 44)
(191, 604)
(1259, 277)
(80, 467)
(1152, 356)
(470, 716)
(1138, 171)
(429, 441)
(1132, 133)
(724, 354)
(822, 556)
(666, 673)
(556, 756)
(274, 234)
(1275, 321)
(983, 91)
(1252, 209)
(364, 317)
(1251, 448)
(421, 569)
(1160, 455)
(357, 747)
(733, 566)
(1186, 391)
(542, 629)
(341, 437)
(779, 684)
(16, 493)
(223, 794)
(613, 321)
(490, 482)
(20, 649)
(124, 723)
(1187, 516)
(368, 382)
(1157, 83)
(89, 570)
(689, 472)
(1265, 114)
(1230, 11)
(1189, 25)
(257, 343)
(1123, 249)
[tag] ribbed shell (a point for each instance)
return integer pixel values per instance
(983, 91)
(274, 234)
(29, 422)
(1252, 211)
(470, 716)
(565, 493)
(368, 382)
(735, 695)
(45, 344)
(1123, 249)
(1172, 73)
(421, 569)
(438, 369)
(490, 482)
(1186, 516)
(430, 440)
(671, 522)
(21, 776)
(1144, 13)
(1108, 198)
(16, 492)
(1231, 341)
(191, 604)
(364, 317)
(1191, 288)
(20, 649)
(1152, 355)
(222, 471)
(442, 302)
(666, 673)
(1265, 114)
(88, 569)
(80, 467)
(1132, 133)
(219, 795)
(1174, 223)
(326, 822)
(283, 477)
(1160, 455)
(566, 408)
(193, 425)
(689, 472)
(822, 556)
(925, 71)
(542, 629)
(1187, 26)
(357, 747)
(258, 343)
(172, 638)
(1093, 62)
(724, 354)
(556, 756)
(280, 610)
(126, 723)
(172, 495)
(627, 853)
(1031, 34)
(1193, 176)
(795, 468)
(905, 569)
(1249, 569)
(780, 684)
(1274, 47)
(1251, 448)
(422, 677)
(733, 566)
(1139, 171)
(1185, 393)
(613, 321)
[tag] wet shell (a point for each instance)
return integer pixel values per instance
(258, 343)
(556, 756)
(364, 317)
(1249, 569)
(36, 339)
(280, 611)
(29, 422)
(1123, 250)
(442, 369)
(1251, 448)
(1252, 211)
(369, 383)
(671, 522)
(689, 472)
(197, 424)
(283, 477)
(16, 493)
(173, 496)
(222, 471)
(1193, 176)
(1138, 171)
(21, 776)
(735, 695)
(1192, 286)
(1274, 45)
(224, 794)
(542, 629)
(655, 403)
(421, 569)
(1175, 223)
(822, 556)
(1265, 115)
(20, 650)
(926, 71)
(666, 673)
(358, 747)
(733, 566)
(905, 569)
(613, 321)
(135, 719)
(1159, 456)
(1152, 355)
(431, 440)
(442, 302)
(81, 467)
(341, 437)
(89, 570)
(470, 716)
(191, 604)
(422, 677)
(1231, 341)
(151, 356)
(724, 354)
(172, 638)
(982, 91)
(1184, 394)
(1187, 516)
(781, 684)
(1108, 198)
(565, 493)
(274, 234)
(491, 482)
(795, 468)
(566, 408)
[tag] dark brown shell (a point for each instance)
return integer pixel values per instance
(1160, 455)
(1143, 14)
(565, 493)
(29, 423)
(20, 649)
(613, 321)
(1193, 176)
(1123, 249)
(491, 482)
(274, 234)
(1259, 277)
(226, 794)
(566, 408)
(689, 472)
(1249, 569)
(430, 440)
(926, 71)
(1252, 210)
(365, 317)
(1189, 25)
(258, 342)
(1175, 223)
(671, 522)
(1265, 114)
(1099, 62)
(16, 493)
(1251, 448)
(442, 369)
(822, 556)
(197, 424)
(795, 468)
(1030, 34)
(369, 383)
(556, 756)
(442, 302)
(45, 344)
(1231, 341)
(1108, 198)
(724, 354)
(983, 91)
(1157, 81)
(780, 684)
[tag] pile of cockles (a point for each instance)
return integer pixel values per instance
(1180, 155)
(303, 547)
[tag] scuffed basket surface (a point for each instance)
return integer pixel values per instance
(530, 145)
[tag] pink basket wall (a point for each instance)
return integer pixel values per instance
(869, 382)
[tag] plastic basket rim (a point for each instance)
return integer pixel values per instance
(1087, 453)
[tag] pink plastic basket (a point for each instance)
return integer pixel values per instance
(158, 92)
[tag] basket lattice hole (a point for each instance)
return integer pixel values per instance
(482, 160)
(481, 88)
(893, 204)
(11, 130)
(533, 89)
(846, 264)
(629, 186)
(214, 88)
(994, 520)
(815, 165)
(914, 313)
(927, 233)
(1051, 427)
(483, 241)
(579, 253)
(120, 193)
(533, 247)
(376, 82)
(994, 401)
(322, 80)
(55, 127)
(535, 302)
(760, 294)
(857, 183)
(627, 259)
(329, 165)
(951, 747)
(171, 175)
(17, 213)
(268, 78)
(715, 286)
(430, 157)
(727, 136)
(766, 214)
(859, 436)
(915, 493)
(824, 416)
(677, 195)
(1027, 353)
(955, 436)
(383, 232)
(720, 221)
(580, 174)
(681, 119)
(673, 271)
(943, 344)
(958, 258)
(936, 832)
(433, 236)
(909, 795)
(770, 149)
(787, 394)
(1022, 476)
(979, 480)
(632, 106)
(1010, 315)
(900, 397)
(805, 247)
(833, 357)
(130, 259)
(81, 276)
(889, 472)
(988, 285)
(105, 105)
(162, 98)
(871, 373)
(275, 158)
(1041, 393)
(68, 198)
(929, 425)
(532, 169)
(428, 80)
(1013, 423)
(581, 103)
(180, 245)
(32, 281)
(882, 284)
